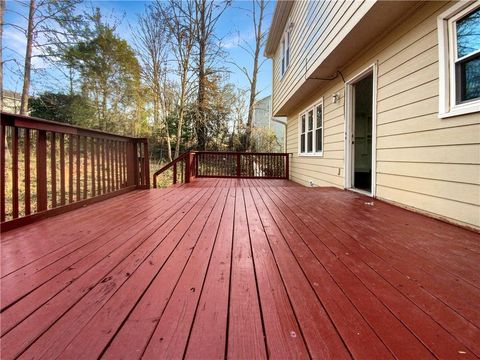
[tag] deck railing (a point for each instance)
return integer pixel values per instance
(49, 168)
(226, 165)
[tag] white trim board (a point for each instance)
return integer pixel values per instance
(372, 69)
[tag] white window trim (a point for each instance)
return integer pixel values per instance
(348, 110)
(285, 44)
(305, 112)
(447, 106)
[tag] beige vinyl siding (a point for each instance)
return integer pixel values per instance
(317, 27)
(423, 162)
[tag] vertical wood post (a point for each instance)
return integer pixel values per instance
(188, 167)
(132, 163)
(239, 166)
(146, 163)
(174, 173)
(2, 173)
(42, 170)
(287, 165)
(15, 173)
(27, 172)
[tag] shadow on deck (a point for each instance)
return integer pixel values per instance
(240, 268)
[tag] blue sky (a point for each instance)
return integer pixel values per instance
(235, 26)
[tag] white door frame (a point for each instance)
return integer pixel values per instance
(349, 108)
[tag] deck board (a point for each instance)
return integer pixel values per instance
(241, 269)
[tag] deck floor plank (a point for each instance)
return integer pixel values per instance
(103, 326)
(323, 340)
(41, 270)
(50, 346)
(208, 336)
(22, 336)
(33, 300)
(351, 252)
(282, 331)
(426, 330)
(132, 339)
(246, 338)
(277, 270)
(437, 280)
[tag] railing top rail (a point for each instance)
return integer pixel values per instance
(170, 164)
(29, 122)
(240, 152)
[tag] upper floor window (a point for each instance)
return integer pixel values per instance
(459, 59)
(311, 131)
(285, 51)
(467, 56)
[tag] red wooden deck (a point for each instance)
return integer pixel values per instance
(242, 269)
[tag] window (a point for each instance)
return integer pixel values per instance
(302, 135)
(319, 128)
(459, 59)
(311, 131)
(285, 51)
(467, 56)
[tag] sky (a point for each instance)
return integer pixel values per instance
(235, 27)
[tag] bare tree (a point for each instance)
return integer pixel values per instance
(258, 16)
(2, 11)
(152, 47)
(28, 60)
(180, 20)
(207, 14)
(44, 17)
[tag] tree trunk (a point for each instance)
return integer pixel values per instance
(28, 61)
(2, 11)
(181, 111)
(253, 83)
(202, 45)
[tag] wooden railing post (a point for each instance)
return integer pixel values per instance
(42, 170)
(239, 166)
(146, 163)
(174, 173)
(188, 167)
(132, 163)
(287, 166)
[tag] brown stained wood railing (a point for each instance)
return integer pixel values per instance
(182, 170)
(225, 165)
(242, 165)
(48, 168)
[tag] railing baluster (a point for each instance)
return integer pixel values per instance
(115, 143)
(62, 169)
(105, 158)
(26, 154)
(146, 164)
(99, 177)
(70, 169)
(2, 173)
(85, 168)
(92, 163)
(103, 167)
(41, 170)
(78, 161)
(53, 168)
(15, 173)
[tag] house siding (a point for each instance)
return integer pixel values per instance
(422, 161)
(317, 27)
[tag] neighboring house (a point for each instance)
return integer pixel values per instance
(11, 101)
(383, 97)
(263, 121)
